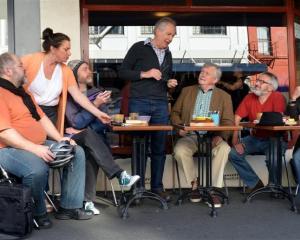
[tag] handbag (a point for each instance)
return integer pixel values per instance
(271, 119)
(16, 207)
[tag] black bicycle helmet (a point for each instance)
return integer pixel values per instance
(63, 154)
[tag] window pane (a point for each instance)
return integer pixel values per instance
(147, 29)
(216, 30)
(106, 30)
(3, 27)
(263, 37)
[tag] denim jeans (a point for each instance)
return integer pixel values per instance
(252, 145)
(34, 173)
(158, 110)
(296, 155)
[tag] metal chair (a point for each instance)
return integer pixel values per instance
(115, 202)
(53, 194)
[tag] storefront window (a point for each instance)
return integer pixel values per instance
(3, 27)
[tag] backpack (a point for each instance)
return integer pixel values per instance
(16, 217)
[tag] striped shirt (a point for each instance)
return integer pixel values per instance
(202, 103)
(160, 53)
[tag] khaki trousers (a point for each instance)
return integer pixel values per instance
(186, 147)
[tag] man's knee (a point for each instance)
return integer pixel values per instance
(221, 152)
(296, 155)
(79, 157)
(233, 155)
(182, 152)
(223, 148)
(39, 174)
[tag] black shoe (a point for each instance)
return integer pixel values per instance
(43, 221)
(258, 185)
(163, 195)
(77, 214)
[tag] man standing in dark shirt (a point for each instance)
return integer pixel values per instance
(148, 67)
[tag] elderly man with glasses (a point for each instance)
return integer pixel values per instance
(263, 98)
(199, 100)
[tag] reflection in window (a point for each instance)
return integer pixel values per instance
(212, 30)
(3, 27)
(147, 29)
(263, 38)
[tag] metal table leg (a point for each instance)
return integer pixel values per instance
(275, 174)
(138, 165)
(206, 191)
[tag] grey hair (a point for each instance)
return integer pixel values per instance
(161, 23)
(273, 79)
(6, 59)
(217, 67)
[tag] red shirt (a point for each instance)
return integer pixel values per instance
(250, 106)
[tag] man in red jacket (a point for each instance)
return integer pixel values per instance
(264, 98)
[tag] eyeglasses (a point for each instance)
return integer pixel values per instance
(260, 81)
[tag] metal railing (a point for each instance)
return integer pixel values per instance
(263, 48)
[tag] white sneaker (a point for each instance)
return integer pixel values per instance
(127, 180)
(90, 206)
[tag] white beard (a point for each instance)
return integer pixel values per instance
(258, 92)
